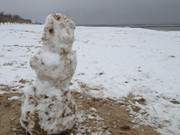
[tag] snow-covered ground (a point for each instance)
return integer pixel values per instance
(117, 60)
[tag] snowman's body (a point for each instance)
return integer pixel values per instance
(48, 105)
(54, 68)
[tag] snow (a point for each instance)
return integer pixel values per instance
(14, 98)
(18, 43)
(117, 60)
(3, 92)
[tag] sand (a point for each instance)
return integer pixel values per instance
(104, 115)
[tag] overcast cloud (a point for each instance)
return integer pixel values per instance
(111, 12)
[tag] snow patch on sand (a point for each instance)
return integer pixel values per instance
(119, 60)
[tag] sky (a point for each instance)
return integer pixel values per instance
(98, 12)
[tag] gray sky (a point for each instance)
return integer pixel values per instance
(111, 12)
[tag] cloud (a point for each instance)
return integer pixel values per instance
(99, 11)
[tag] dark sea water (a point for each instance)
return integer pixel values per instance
(152, 27)
(166, 28)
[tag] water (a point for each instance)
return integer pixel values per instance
(164, 28)
(152, 27)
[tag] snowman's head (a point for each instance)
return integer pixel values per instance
(58, 30)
